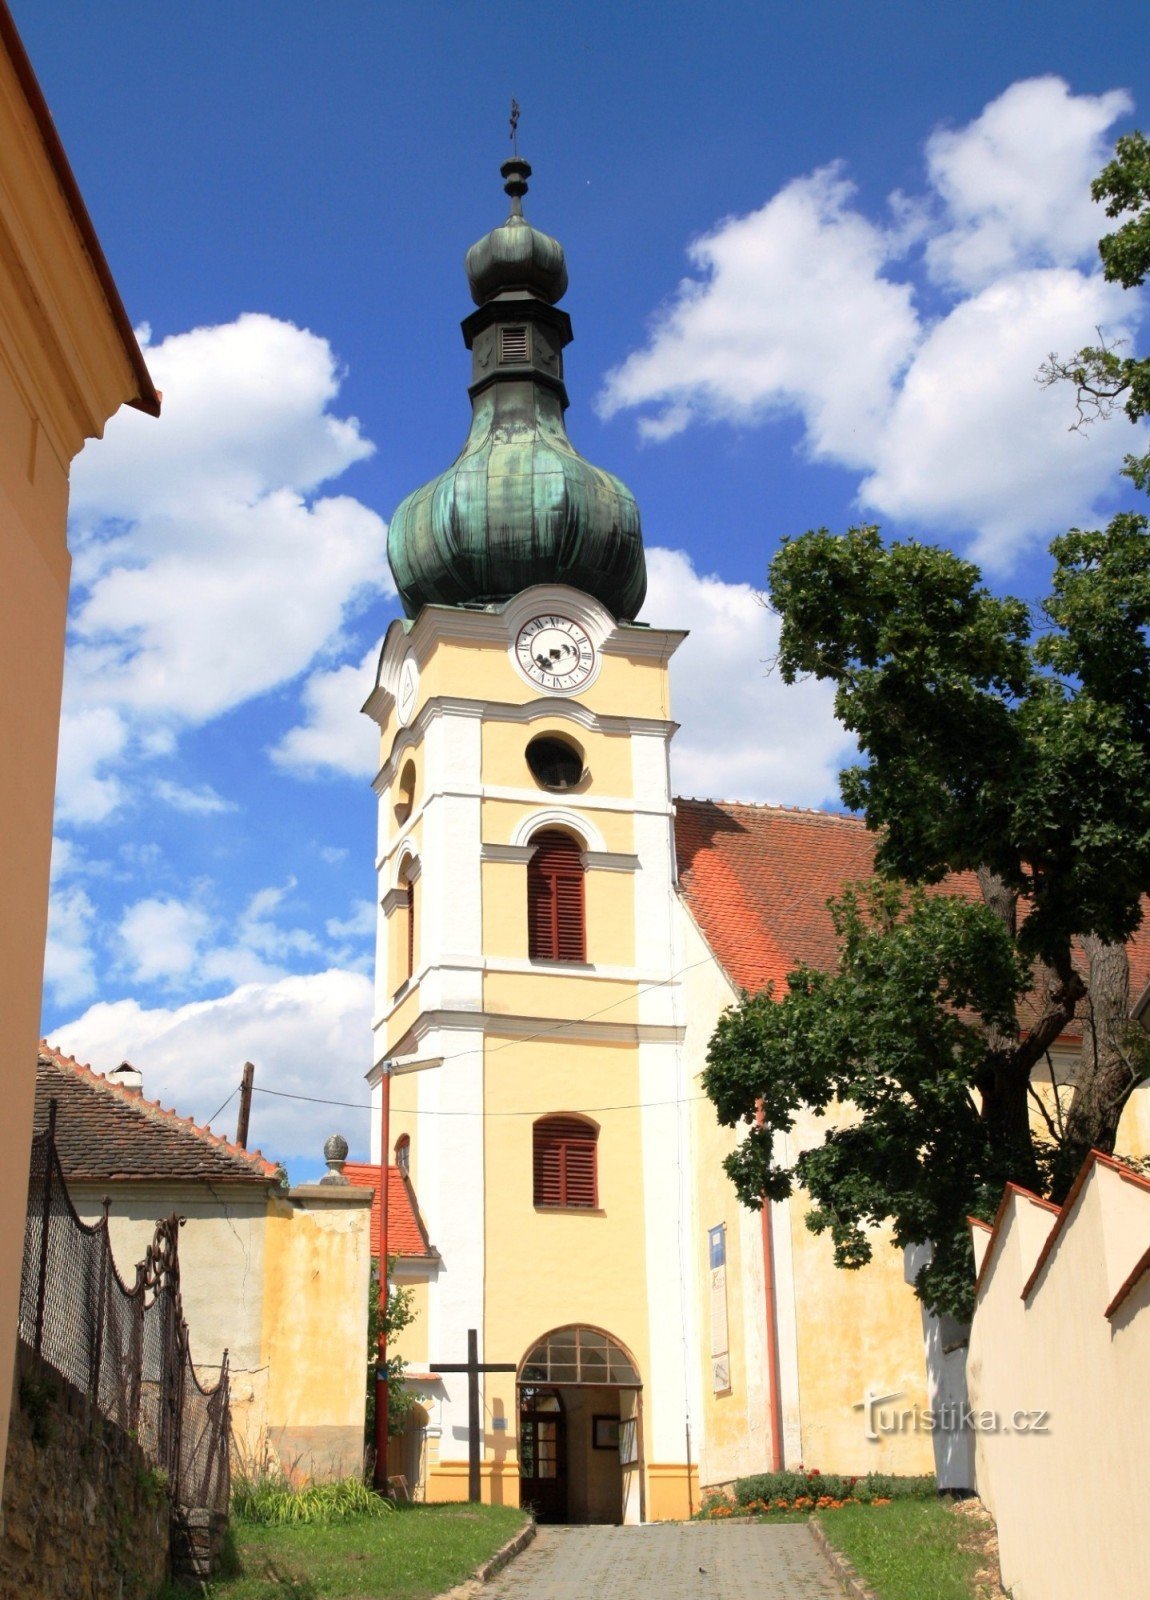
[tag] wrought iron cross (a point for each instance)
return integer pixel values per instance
(514, 135)
(473, 1367)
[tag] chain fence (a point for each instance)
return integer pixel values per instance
(125, 1347)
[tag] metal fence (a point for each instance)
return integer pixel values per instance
(126, 1348)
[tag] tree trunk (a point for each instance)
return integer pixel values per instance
(1107, 1071)
(1005, 1085)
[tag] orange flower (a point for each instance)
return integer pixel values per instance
(802, 1502)
(782, 1505)
(882, 1500)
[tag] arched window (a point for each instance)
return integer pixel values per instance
(564, 1152)
(403, 1154)
(405, 793)
(405, 932)
(555, 917)
(409, 887)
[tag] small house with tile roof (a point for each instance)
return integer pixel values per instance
(277, 1276)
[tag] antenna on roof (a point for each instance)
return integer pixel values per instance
(245, 1115)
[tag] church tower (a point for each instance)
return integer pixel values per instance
(529, 1026)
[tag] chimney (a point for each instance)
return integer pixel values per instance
(128, 1077)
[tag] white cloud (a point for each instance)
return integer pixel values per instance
(207, 572)
(1015, 182)
(359, 925)
(334, 737)
(202, 801)
(973, 442)
(307, 1035)
(91, 741)
(791, 313)
(162, 939)
(744, 735)
(69, 956)
(794, 309)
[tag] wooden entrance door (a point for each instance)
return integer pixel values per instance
(542, 1454)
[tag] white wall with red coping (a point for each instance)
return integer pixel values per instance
(1058, 1371)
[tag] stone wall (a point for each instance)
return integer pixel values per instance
(84, 1517)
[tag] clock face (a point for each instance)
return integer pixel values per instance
(555, 653)
(407, 691)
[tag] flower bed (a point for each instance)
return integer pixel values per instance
(787, 1493)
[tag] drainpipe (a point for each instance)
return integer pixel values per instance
(381, 1394)
(772, 1330)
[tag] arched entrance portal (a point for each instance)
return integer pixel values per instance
(579, 1429)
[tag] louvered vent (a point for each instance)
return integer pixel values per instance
(555, 930)
(564, 1157)
(512, 345)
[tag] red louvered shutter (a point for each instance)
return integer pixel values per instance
(555, 914)
(565, 1162)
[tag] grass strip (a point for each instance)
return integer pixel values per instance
(411, 1555)
(909, 1550)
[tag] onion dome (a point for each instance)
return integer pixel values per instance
(516, 255)
(519, 505)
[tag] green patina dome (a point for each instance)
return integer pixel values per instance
(519, 505)
(515, 255)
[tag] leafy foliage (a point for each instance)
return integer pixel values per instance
(1102, 377)
(1024, 764)
(874, 1485)
(400, 1314)
(273, 1500)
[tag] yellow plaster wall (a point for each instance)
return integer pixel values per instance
(546, 1269)
(855, 1331)
(606, 757)
(63, 371)
(501, 818)
(609, 898)
(316, 1273)
(483, 671)
(560, 996)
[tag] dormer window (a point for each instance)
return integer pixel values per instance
(514, 346)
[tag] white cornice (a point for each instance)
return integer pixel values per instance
(545, 709)
(601, 860)
(584, 1030)
(587, 802)
(559, 817)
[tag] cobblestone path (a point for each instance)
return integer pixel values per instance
(669, 1561)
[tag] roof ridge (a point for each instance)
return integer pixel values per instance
(154, 1110)
(774, 806)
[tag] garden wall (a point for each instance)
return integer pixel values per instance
(1058, 1371)
(85, 1518)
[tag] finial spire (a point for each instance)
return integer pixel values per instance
(515, 175)
(514, 135)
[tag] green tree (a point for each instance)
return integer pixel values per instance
(1024, 762)
(400, 1314)
(1103, 377)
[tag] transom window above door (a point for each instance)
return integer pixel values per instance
(579, 1355)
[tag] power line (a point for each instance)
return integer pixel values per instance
(360, 1105)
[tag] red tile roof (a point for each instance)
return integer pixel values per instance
(106, 1133)
(406, 1235)
(757, 880)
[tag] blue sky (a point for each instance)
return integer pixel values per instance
(817, 254)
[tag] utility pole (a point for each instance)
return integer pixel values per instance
(245, 1115)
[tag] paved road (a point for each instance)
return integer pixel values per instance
(662, 1561)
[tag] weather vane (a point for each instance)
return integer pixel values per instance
(514, 134)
